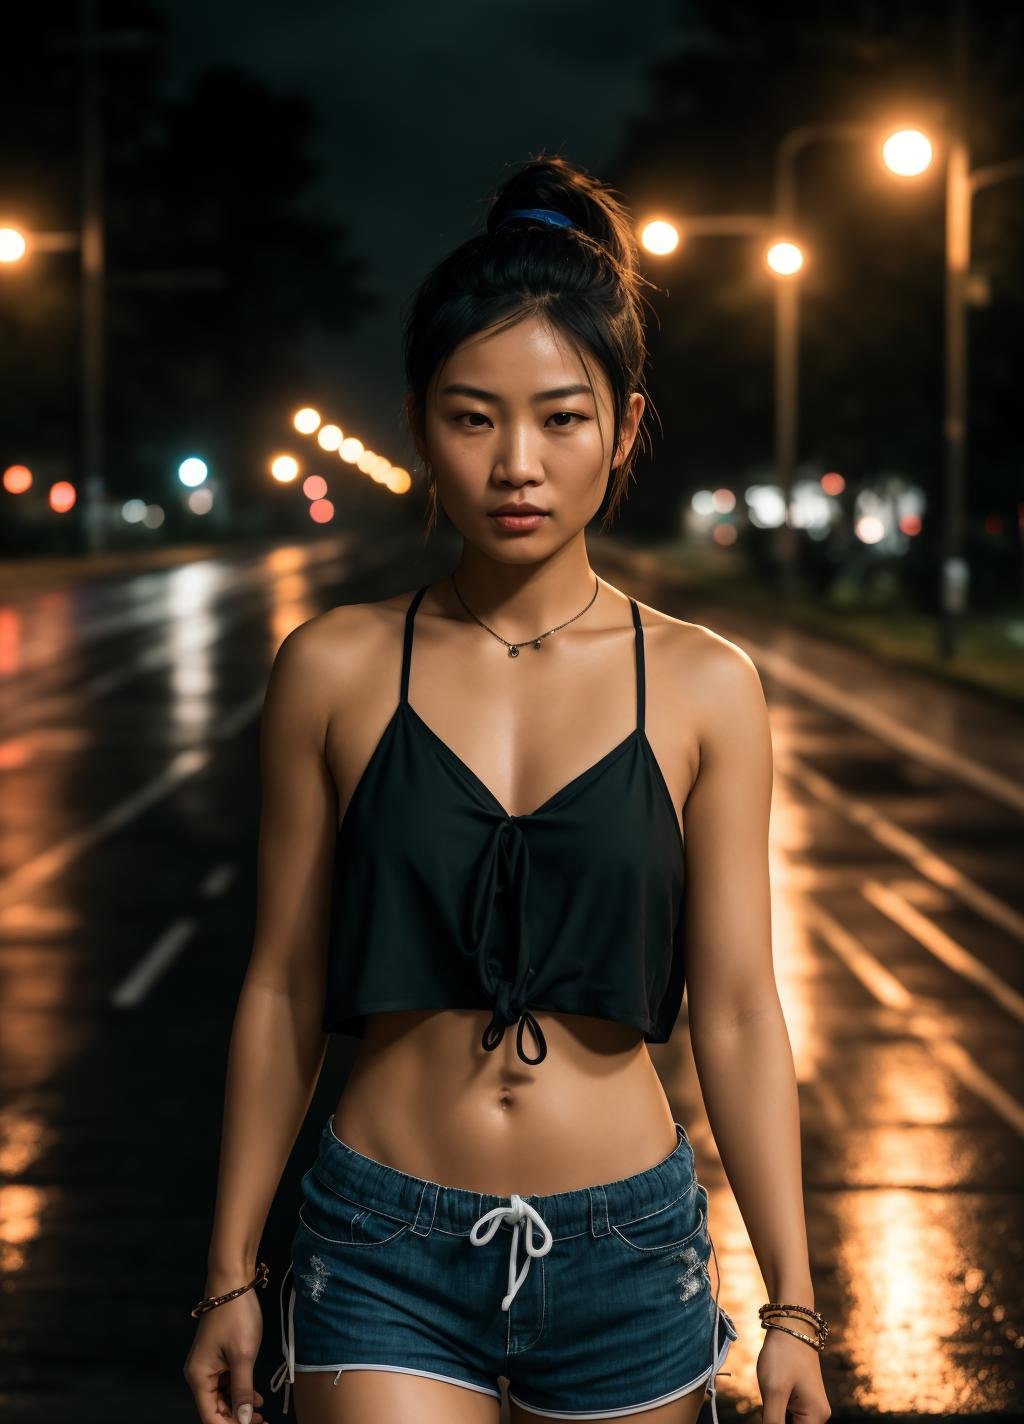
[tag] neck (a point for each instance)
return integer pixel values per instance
(526, 599)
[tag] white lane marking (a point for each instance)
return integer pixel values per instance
(135, 986)
(217, 880)
(888, 990)
(943, 946)
(48, 863)
(847, 704)
(904, 843)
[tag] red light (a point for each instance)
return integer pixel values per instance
(321, 511)
(62, 496)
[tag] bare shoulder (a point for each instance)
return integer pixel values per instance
(324, 660)
(336, 643)
(715, 677)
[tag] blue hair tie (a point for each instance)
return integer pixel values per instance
(544, 215)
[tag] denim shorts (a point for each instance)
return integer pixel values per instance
(590, 1302)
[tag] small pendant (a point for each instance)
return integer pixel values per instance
(513, 651)
(537, 643)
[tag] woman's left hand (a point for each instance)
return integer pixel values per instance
(789, 1378)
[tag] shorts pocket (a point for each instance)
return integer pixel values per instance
(681, 1223)
(328, 1216)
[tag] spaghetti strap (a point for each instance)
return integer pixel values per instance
(641, 682)
(410, 614)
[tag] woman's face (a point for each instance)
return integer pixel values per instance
(510, 420)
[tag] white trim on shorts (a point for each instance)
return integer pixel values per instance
(399, 1370)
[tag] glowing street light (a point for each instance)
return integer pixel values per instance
(907, 152)
(785, 258)
(329, 437)
(12, 245)
(284, 468)
(659, 237)
(306, 420)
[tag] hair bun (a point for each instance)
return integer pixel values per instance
(550, 183)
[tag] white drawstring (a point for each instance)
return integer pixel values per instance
(285, 1372)
(518, 1211)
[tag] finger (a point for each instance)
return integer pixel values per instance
(242, 1391)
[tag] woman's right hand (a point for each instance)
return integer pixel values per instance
(220, 1363)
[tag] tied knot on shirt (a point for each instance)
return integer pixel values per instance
(504, 875)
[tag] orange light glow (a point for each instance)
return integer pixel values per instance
(833, 483)
(62, 496)
(17, 479)
(314, 486)
(659, 237)
(785, 259)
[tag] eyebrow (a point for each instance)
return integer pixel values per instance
(459, 388)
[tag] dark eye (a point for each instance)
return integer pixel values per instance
(470, 415)
(572, 414)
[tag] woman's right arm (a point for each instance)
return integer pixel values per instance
(277, 1044)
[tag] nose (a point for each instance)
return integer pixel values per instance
(518, 462)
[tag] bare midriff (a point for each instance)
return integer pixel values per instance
(425, 1097)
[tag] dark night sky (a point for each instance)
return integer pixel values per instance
(422, 107)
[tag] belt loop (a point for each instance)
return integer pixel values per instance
(598, 1211)
(426, 1210)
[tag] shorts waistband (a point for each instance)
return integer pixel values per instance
(427, 1205)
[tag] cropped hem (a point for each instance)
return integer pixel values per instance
(397, 1370)
(352, 1026)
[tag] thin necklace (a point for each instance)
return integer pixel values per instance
(513, 648)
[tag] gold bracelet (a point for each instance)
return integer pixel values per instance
(804, 1313)
(261, 1278)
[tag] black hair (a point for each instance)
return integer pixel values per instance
(584, 279)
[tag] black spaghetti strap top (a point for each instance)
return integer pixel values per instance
(442, 900)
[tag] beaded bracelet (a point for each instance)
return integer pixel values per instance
(805, 1312)
(261, 1278)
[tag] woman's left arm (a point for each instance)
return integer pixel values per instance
(740, 1043)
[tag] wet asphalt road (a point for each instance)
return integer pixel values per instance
(128, 756)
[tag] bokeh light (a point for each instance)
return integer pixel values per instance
(284, 468)
(314, 486)
(193, 471)
(62, 496)
(17, 479)
(200, 501)
(306, 420)
(329, 437)
(321, 511)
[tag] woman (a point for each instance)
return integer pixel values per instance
(472, 856)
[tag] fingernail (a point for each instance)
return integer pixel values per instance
(245, 1414)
